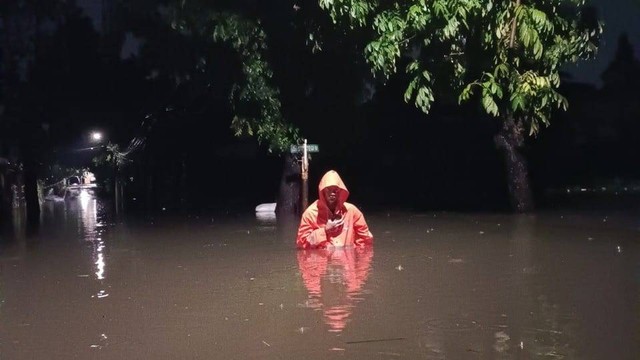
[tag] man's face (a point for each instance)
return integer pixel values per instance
(331, 195)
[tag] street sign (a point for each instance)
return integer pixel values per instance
(311, 148)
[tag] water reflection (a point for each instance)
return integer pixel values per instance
(89, 229)
(266, 218)
(81, 213)
(334, 278)
(91, 232)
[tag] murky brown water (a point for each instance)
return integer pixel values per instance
(434, 286)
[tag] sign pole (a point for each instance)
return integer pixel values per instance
(304, 150)
(305, 177)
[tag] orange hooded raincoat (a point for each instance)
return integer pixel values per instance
(354, 231)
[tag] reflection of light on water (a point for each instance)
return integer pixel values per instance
(90, 225)
(100, 266)
(85, 198)
(101, 294)
(88, 216)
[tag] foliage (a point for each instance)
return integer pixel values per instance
(255, 101)
(506, 54)
(115, 157)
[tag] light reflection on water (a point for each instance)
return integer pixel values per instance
(84, 213)
(91, 233)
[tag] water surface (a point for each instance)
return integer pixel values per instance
(556, 285)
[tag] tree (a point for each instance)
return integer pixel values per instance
(254, 99)
(26, 37)
(506, 55)
(203, 32)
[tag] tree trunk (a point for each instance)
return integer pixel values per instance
(289, 193)
(4, 209)
(182, 183)
(150, 203)
(149, 174)
(31, 194)
(117, 190)
(510, 140)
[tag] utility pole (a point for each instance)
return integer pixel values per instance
(305, 177)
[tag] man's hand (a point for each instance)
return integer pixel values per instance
(312, 240)
(334, 226)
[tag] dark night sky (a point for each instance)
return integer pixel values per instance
(619, 16)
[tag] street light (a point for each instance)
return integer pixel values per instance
(96, 136)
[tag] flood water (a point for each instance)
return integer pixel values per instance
(555, 285)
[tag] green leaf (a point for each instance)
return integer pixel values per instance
(517, 102)
(424, 99)
(493, 87)
(564, 102)
(466, 93)
(498, 91)
(413, 66)
(409, 92)
(490, 105)
(501, 70)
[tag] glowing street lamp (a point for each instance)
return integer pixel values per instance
(96, 136)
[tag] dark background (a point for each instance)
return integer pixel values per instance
(101, 67)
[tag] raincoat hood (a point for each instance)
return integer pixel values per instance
(331, 178)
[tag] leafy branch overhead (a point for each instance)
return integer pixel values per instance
(505, 54)
(255, 101)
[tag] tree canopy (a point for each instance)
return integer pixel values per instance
(506, 54)
(254, 99)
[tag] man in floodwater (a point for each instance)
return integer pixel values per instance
(330, 220)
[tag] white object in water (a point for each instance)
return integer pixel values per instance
(266, 217)
(267, 207)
